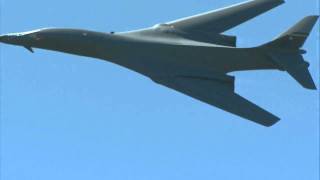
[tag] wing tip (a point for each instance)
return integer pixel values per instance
(273, 1)
(271, 122)
(277, 1)
(267, 119)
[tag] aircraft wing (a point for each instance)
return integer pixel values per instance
(221, 94)
(221, 20)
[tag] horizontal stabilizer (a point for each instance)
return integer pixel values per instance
(295, 65)
(303, 76)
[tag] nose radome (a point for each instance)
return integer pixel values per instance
(2, 38)
(11, 39)
(6, 38)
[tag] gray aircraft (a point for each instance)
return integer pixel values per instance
(190, 55)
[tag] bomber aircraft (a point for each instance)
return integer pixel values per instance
(190, 55)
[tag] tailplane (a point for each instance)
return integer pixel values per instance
(286, 52)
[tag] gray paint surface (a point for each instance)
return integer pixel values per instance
(190, 55)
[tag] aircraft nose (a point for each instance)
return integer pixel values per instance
(14, 39)
(7, 39)
(3, 38)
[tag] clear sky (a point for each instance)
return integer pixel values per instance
(68, 117)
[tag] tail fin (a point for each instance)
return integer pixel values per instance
(286, 53)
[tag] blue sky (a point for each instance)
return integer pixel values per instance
(70, 117)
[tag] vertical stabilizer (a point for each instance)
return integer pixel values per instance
(286, 53)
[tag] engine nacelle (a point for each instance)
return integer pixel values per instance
(225, 40)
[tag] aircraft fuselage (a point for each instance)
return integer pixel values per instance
(155, 54)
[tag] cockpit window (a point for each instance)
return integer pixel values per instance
(35, 36)
(163, 26)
